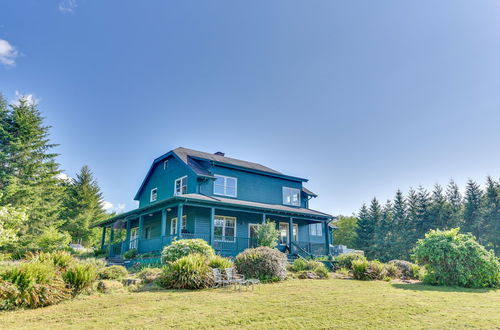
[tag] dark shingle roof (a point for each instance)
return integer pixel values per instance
(184, 154)
(308, 192)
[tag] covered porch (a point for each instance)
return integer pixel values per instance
(229, 229)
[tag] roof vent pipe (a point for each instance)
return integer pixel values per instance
(219, 153)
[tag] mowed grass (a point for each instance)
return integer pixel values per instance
(339, 304)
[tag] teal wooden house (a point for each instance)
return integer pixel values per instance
(191, 194)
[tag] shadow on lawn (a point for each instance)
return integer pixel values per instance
(424, 287)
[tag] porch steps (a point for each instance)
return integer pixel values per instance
(111, 261)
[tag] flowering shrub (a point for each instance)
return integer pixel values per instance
(264, 263)
(184, 247)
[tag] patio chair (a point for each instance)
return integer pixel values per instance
(234, 278)
(219, 280)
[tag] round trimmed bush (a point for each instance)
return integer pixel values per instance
(264, 263)
(184, 247)
(190, 272)
(114, 272)
(456, 259)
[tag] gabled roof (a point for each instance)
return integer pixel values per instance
(196, 161)
(308, 192)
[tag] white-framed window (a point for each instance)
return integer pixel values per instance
(165, 164)
(224, 228)
(291, 196)
(283, 229)
(316, 229)
(225, 185)
(147, 232)
(173, 225)
(180, 186)
(154, 195)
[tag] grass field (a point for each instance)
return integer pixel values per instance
(340, 304)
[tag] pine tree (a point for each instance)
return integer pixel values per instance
(455, 205)
(384, 234)
(82, 206)
(375, 216)
(401, 227)
(473, 208)
(439, 209)
(4, 141)
(410, 237)
(424, 222)
(365, 230)
(489, 232)
(31, 171)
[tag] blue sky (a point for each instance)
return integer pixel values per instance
(361, 97)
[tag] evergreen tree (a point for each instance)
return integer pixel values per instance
(409, 238)
(29, 168)
(439, 209)
(401, 227)
(455, 205)
(82, 206)
(365, 230)
(473, 208)
(375, 216)
(424, 222)
(4, 142)
(489, 232)
(384, 234)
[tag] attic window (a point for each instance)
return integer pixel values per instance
(165, 164)
(154, 195)
(180, 186)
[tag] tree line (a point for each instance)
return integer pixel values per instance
(39, 207)
(390, 230)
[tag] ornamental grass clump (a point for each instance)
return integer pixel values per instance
(302, 265)
(219, 262)
(345, 260)
(263, 263)
(60, 259)
(184, 247)
(455, 259)
(149, 275)
(189, 272)
(114, 272)
(79, 277)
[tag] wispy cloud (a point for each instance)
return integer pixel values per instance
(108, 206)
(29, 98)
(67, 6)
(64, 177)
(7, 53)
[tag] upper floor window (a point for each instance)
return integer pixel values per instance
(225, 185)
(165, 164)
(180, 187)
(291, 196)
(316, 229)
(154, 195)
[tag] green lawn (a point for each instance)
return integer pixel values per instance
(291, 304)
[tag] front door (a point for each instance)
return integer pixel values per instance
(134, 235)
(252, 234)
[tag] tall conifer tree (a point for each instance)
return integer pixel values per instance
(365, 229)
(455, 203)
(473, 208)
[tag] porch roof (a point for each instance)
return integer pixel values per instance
(221, 201)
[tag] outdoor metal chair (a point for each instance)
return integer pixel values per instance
(219, 280)
(234, 278)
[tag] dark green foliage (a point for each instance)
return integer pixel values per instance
(365, 230)
(345, 260)
(60, 259)
(189, 272)
(114, 272)
(368, 270)
(184, 247)
(301, 265)
(263, 263)
(130, 254)
(345, 234)
(472, 208)
(79, 277)
(456, 259)
(267, 234)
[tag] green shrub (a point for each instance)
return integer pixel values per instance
(60, 259)
(407, 269)
(302, 265)
(299, 265)
(219, 262)
(392, 271)
(375, 270)
(114, 272)
(52, 239)
(149, 275)
(184, 247)
(345, 260)
(79, 277)
(107, 286)
(31, 285)
(359, 268)
(263, 263)
(98, 264)
(101, 253)
(130, 254)
(456, 259)
(321, 271)
(343, 271)
(189, 272)
(267, 234)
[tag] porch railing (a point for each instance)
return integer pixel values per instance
(223, 245)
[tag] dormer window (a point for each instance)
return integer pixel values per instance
(180, 186)
(154, 195)
(225, 186)
(291, 196)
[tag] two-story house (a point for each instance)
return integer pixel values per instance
(193, 194)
